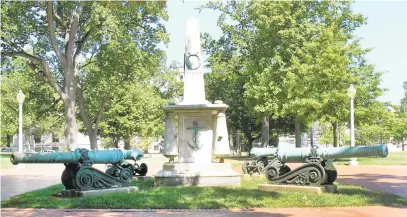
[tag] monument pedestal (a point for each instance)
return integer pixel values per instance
(196, 174)
(201, 132)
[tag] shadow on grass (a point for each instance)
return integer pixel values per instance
(152, 198)
(243, 197)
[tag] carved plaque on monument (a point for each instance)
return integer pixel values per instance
(196, 139)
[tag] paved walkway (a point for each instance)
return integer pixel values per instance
(391, 179)
(376, 211)
(12, 185)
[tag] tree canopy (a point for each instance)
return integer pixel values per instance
(294, 59)
(67, 37)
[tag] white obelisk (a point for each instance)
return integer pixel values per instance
(194, 88)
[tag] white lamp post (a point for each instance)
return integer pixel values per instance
(351, 94)
(20, 99)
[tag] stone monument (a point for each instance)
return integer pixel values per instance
(201, 134)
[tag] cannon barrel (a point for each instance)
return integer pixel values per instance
(297, 155)
(133, 154)
(97, 157)
(263, 152)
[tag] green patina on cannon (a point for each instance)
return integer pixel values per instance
(318, 168)
(79, 173)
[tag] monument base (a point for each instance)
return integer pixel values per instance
(353, 162)
(194, 174)
(79, 193)
(300, 188)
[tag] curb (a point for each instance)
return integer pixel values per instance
(145, 210)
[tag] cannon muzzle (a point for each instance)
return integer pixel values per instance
(78, 156)
(263, 152)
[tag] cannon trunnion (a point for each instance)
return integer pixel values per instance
(79, 173)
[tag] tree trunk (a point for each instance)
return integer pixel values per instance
(250, 143)
(335, 133)
(93, 139)
(71, 129)
(312, 134)
(91, 128)
(265, 132)
(9, 138)
(127, 144)
(297, 132)
(115, 142)
(232, 141)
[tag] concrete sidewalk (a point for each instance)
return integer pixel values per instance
(375, 211)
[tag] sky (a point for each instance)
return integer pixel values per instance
(385, 32)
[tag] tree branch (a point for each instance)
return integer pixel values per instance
(52, 81)
(72, 33)
(81, 43)
(101, 109)
(51, 29)
(22, 54)
(82, 109)
(45, 66)
(59, 19)
(48, 109)
(88, 63)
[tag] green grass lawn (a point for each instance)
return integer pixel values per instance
(5, 161)
(244, 196)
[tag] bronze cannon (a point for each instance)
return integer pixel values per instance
(318, 162)
(79, 173)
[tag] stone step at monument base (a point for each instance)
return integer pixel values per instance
(96, 192)
(194, 174)
(197, 167)
(299, 188)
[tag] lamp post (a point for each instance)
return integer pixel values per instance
(351, 94)
(20, 99)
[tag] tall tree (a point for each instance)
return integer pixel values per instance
(134, 107)
(400, 129)
(42, 109)
(65, 34)
(297, 58)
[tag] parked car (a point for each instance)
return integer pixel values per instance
(48, 151)
(6, 149)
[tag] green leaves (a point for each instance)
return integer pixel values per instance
(135, 109)
(42, 110)
(293, 59)
(111, 44)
